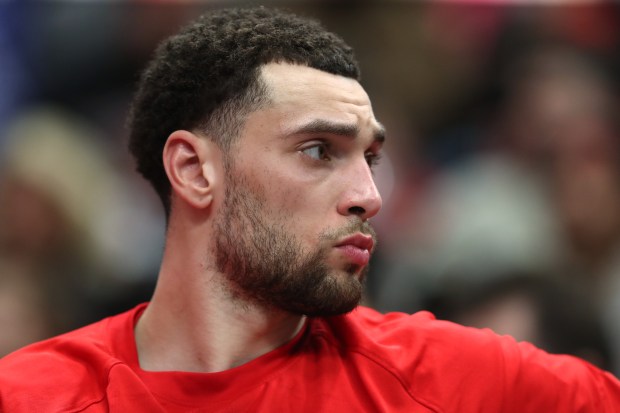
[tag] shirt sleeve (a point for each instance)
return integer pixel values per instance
(535, 381)
(463, 369)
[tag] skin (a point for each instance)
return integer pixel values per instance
(306, 157)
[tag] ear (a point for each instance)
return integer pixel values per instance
(189, 161)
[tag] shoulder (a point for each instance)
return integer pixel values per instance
(444, 346)
(434, 360)
(411, 331)
(64, 350)
(435, 350)
(453, 366)
(69, 369)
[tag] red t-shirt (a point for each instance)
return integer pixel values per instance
(360, 362)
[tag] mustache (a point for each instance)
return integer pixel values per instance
(354, 226)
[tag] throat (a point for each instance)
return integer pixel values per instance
(209, 344)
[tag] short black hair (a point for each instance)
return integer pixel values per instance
(208, 77)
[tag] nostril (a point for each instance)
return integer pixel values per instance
(357, 210)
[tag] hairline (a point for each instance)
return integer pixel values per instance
(225, 123)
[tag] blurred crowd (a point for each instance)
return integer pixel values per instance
(501, 179)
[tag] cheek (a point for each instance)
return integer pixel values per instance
(298, 200)
(282, 193)
(297, 212)
(288, 204)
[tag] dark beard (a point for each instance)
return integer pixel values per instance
(266, 264)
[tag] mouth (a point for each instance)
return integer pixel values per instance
(356, 248)
(361, 241)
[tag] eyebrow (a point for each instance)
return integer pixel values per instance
(318, 126)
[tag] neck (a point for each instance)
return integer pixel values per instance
(193, 324)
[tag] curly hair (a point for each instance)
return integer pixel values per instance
(207, 77)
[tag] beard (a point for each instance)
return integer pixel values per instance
(265, 263)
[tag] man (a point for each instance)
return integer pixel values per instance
(253, 128)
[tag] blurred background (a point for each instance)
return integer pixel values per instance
(501, 179)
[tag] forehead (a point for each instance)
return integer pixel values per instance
(303, 94)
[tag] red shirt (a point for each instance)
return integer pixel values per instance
(360, 362)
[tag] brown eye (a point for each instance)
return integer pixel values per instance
(372, 159)
(318, 152)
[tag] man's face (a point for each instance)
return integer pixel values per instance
(292, 232)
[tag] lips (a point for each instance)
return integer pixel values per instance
(356, 248)
(361, 241)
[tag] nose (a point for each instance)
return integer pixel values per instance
(360, 195)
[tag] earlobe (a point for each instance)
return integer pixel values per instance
(189, 165)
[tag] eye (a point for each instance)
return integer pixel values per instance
(317, 151)
(372, 158)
